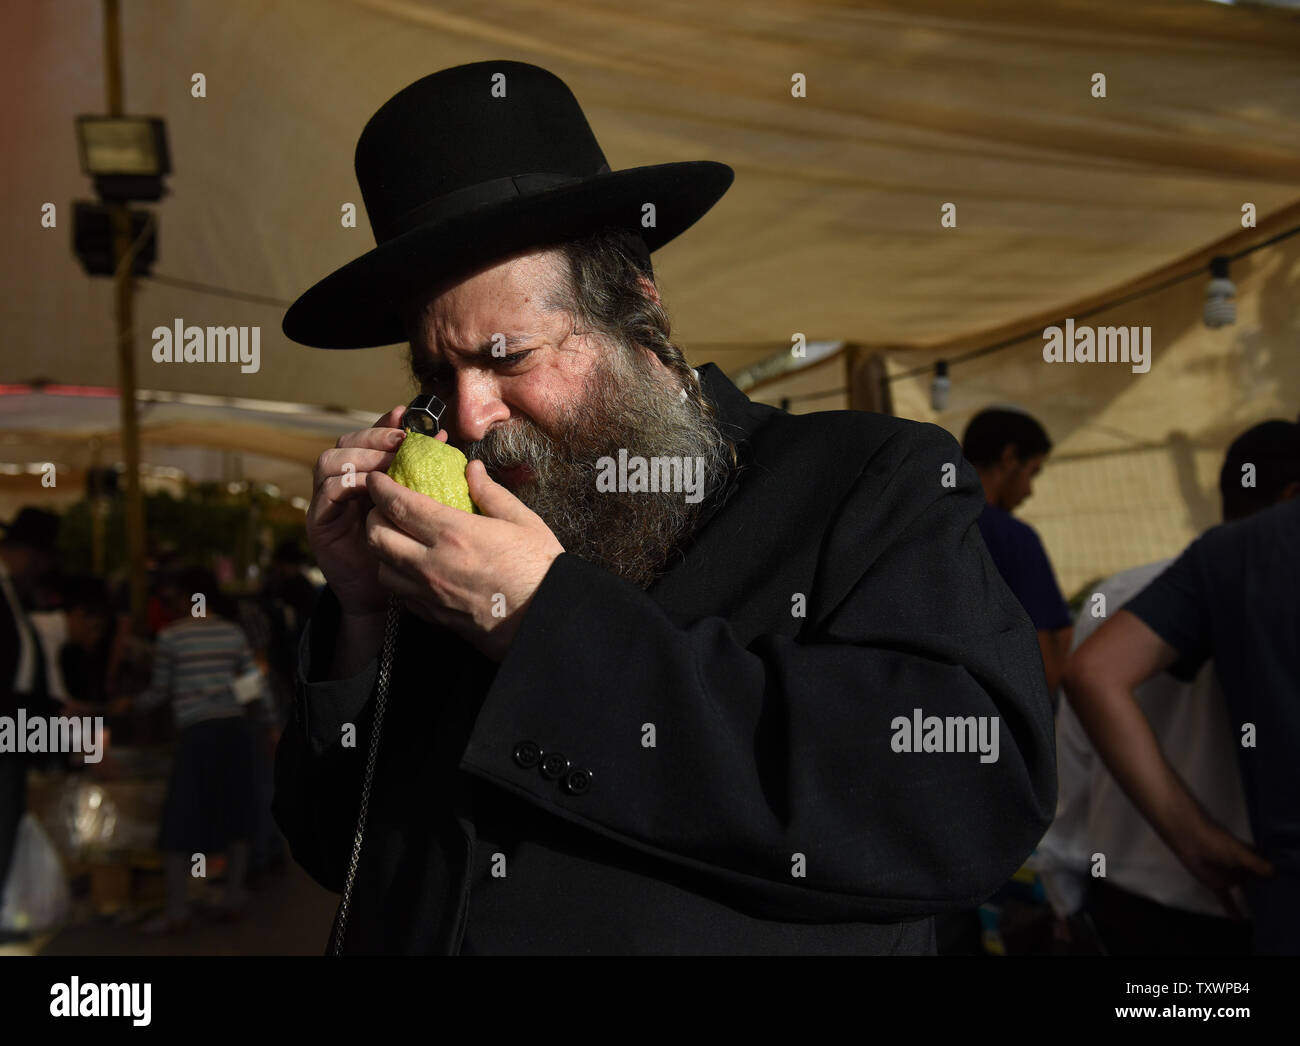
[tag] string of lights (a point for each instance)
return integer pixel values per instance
(1219, 311)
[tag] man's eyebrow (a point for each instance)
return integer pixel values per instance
(484, 348)
(512, 341)
(427, 367)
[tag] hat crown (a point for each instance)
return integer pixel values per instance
(464, 127)
(471, 165)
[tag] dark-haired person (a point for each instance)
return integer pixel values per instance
(1148, 902)
(209, 806)
(1232, 596)
(623, 719)
(73, 639)
(1008, 449)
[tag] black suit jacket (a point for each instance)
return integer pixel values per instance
(772, 813)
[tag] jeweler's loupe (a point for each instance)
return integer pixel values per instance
(424, 414)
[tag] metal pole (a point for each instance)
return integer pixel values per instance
(96, 509)
(124, 289)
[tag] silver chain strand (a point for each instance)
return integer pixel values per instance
(381, 692)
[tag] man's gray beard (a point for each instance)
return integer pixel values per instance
(629, 406)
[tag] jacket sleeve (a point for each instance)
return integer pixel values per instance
(318, 780)
(785, 747)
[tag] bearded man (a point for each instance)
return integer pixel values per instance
(633, 720)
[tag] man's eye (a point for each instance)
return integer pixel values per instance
(514, 357)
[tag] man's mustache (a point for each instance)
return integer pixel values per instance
(523, 443)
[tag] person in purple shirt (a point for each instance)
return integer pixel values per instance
(1008, 448)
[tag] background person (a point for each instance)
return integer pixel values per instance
(1234, 596)
(1008, 449)
(74, 638)
(1148, 902)
(209, 807)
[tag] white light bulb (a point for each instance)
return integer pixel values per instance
(1220, 304)
(940, 387)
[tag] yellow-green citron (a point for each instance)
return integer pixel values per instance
(429, 466)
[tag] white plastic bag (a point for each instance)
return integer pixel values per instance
(36, 895)
(248, 687)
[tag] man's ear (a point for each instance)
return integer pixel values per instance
(650, 358)
(1009, 461)
(649, 287)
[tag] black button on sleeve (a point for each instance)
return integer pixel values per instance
(527, 754)
(554, 766)
(578, 782)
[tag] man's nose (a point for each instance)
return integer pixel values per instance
(478, 405)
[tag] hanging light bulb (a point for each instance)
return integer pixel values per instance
(1220, 295)
(940, 386)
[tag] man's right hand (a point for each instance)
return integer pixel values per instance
(1219, 860)
(336, 518)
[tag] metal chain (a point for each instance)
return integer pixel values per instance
(381, 693)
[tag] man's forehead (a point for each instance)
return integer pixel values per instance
(477, 339)
(513, 289)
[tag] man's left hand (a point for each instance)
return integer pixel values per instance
(458, 569)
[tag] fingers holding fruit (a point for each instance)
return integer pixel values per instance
(336, 515)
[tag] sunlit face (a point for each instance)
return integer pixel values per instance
(490, 349)
(551, 404)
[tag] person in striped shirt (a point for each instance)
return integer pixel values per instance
(220, 702)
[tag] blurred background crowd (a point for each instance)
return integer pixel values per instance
(191, 709)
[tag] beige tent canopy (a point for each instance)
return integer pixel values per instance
(1135, 468)
(52, 436)
(832, 230)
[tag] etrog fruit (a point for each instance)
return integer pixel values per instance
(429, 466)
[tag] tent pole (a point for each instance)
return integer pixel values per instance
(96, 509)
(867, 374)
(123, 290)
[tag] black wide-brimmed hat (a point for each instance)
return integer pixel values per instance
(474, 163)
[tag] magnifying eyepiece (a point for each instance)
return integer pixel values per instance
(424, 415)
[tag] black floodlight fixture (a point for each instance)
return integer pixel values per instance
(126, 155)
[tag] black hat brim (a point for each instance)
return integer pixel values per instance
(361, 304)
